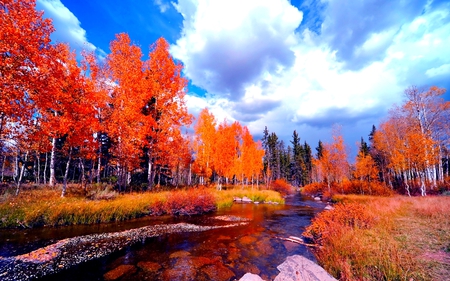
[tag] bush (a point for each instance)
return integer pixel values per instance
(351, 215)
(281, 186)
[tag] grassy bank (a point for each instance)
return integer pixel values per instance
(384, 238)
(44, 206)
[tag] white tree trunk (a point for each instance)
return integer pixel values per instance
(52, 181)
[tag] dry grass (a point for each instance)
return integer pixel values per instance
(224, 198)
(39, 206)
(402, 238)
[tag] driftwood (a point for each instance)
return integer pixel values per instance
(297, 240)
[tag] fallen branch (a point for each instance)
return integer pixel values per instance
(297, 240)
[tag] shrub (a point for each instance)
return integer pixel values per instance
(351, 215)
(281, 186)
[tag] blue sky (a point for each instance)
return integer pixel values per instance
(287, 65)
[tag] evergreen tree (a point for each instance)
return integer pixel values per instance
(364, 149)
(298, 164)
(307, 159)
(319, 150)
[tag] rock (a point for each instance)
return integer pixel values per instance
(250, 268)
(180, 274)
(119, 271)
(247, 240)
(198, 262)
(179, 254)
(297, 268)
(264, 247)
(250, 277)
(317, 198)
(237, 199)
(149, 266)
(218, 272)
(329, 207)
(245, 199)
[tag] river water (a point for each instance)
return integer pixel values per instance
(219, 254)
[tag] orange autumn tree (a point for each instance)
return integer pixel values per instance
(204, 145)
(166, 105)
(25, 53)
(226, 150)
(127, 126)
(250, 163)
(332, 165)
(366, 172)
(68, 114)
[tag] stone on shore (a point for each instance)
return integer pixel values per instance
(251, 277)
(297, 268)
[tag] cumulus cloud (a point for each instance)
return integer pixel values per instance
(68, 27)
(227, 45)
(361, 31)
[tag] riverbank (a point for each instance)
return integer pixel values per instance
(43, 206)
(384, 238)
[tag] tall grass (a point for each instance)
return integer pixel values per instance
(44, 206)
(381, 238)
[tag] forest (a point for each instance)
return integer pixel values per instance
(123, 121)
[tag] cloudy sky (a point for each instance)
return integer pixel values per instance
(288, 65)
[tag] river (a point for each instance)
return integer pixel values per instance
(219, 254)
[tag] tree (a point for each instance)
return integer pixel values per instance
(127, 126)
(25, 56)
(204, 145)
(165, 103)
(332, 166)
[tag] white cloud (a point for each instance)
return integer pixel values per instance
(67, 26)
(257, 69)
(226, 45)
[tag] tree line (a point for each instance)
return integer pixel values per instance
(118, 120)
(121, 119)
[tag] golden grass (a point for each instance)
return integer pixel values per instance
(409, 239)
(44, 206)
(224, 198)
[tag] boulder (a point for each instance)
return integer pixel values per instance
(218, 272)
(297, 268)
(251, 277)
(179, 254)
(149, 266)
(245, 199)
(119, 272)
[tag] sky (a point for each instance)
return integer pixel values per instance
(288, 65)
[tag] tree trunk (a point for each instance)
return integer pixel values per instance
(66, 173)
(19, 181)
(99, 165)
(190, 174)
(83, 176)
(52, 181)
(405, 179)
(45, 168)
(38, 178)
(149, 174)
(3, 167)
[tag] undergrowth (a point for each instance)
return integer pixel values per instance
(383, 238)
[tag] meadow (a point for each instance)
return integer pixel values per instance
(38, 206)
(384, 238)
